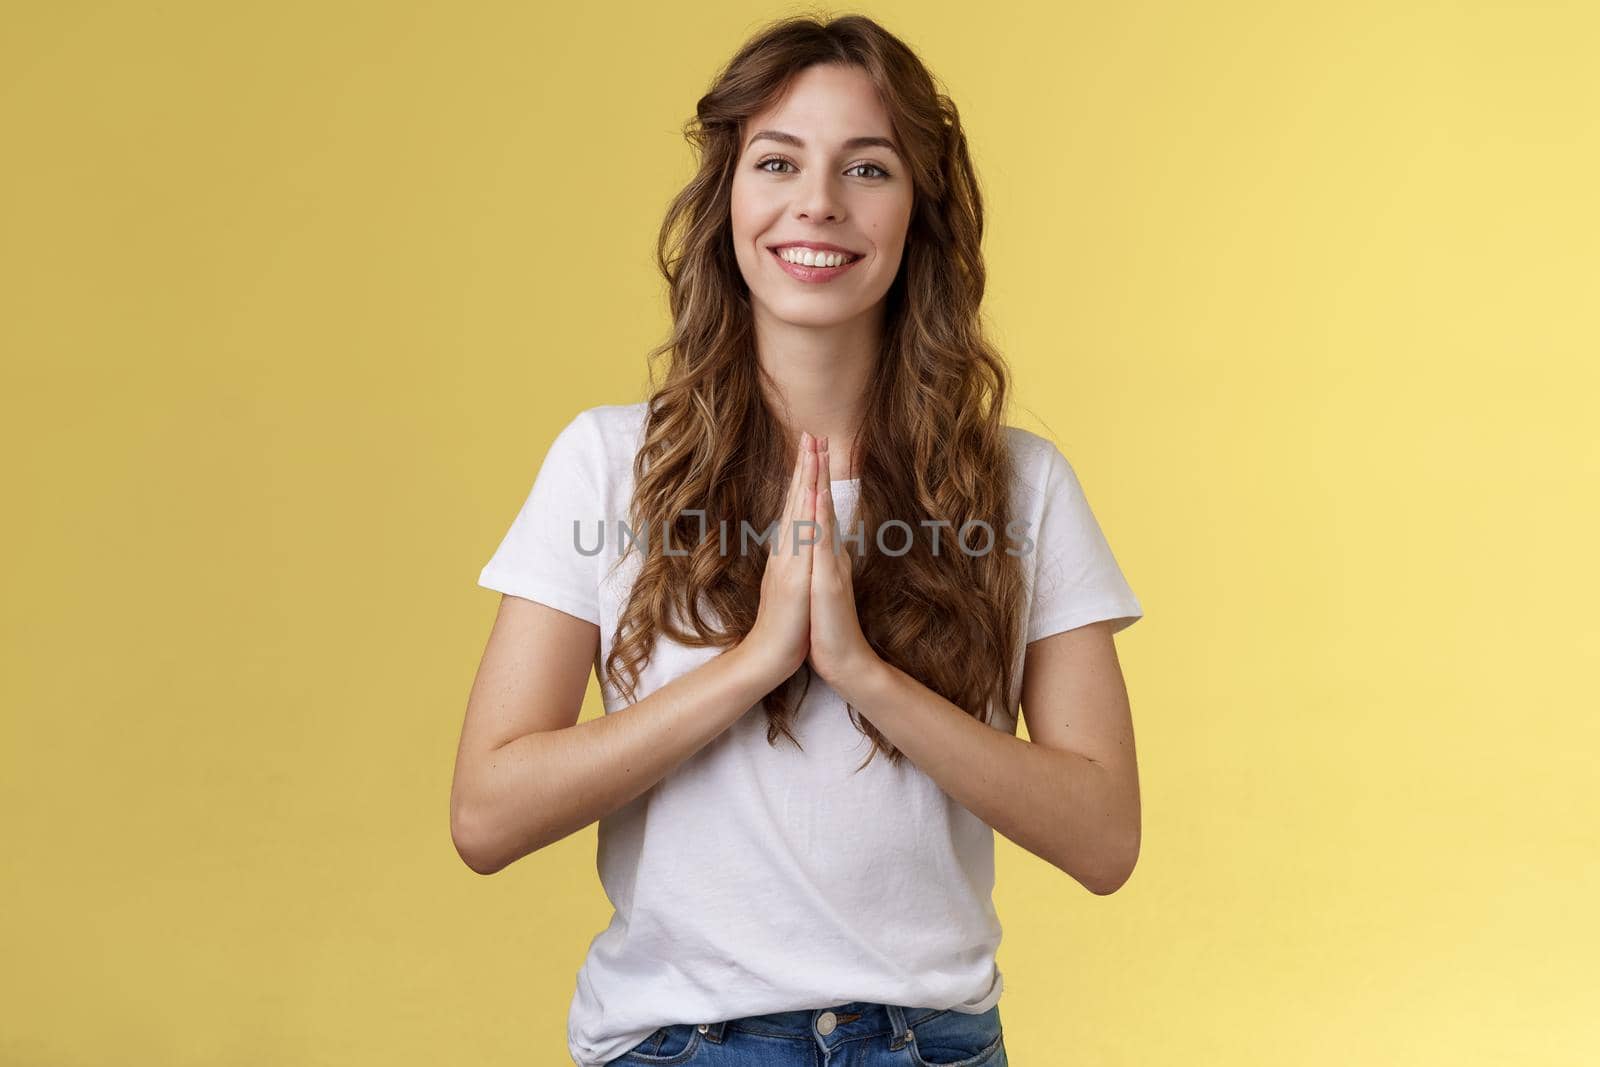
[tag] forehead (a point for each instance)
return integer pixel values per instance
(826, 104)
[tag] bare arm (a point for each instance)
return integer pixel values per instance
(528, 774)
(1070, 795)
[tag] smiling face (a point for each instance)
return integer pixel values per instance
(819, 168)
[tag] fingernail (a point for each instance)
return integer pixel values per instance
(805, 439)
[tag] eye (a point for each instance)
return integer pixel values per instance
(881, 173)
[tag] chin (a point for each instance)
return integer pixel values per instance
(814, 314)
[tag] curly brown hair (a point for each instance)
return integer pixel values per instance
(932, 447)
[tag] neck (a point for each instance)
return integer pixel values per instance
(815, 379)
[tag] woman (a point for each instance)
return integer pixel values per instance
(779, 899)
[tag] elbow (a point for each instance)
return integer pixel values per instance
(1105, 886)
(472, 842)
(1114, 872)
(477, 862)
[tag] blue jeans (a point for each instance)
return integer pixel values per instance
(857, 1034)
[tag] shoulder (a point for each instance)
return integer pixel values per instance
(607, 421)
(614, 418)
(1037, 461)
(602, 440)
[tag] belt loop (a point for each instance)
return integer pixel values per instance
(897, 1023)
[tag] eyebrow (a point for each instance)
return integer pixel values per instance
(854, 142)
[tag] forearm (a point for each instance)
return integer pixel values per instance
(540, 787)
(1061, 806)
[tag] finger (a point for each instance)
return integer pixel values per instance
(825, 504)
(842, 559)
(791, 503)
(808, 507)
(789, 530)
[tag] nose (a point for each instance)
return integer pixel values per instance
(817, 199)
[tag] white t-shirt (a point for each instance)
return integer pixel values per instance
(755, 877)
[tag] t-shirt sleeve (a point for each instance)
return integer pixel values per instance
(539, 558)
(1077, 580)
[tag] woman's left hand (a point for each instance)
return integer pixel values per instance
(839, 649)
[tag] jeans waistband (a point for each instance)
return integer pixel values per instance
(831, 1026)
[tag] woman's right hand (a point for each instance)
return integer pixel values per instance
(781, 637)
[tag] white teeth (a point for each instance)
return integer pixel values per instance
(811, 258)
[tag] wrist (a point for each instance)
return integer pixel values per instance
(762, 670)
(863, 677)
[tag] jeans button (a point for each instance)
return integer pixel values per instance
(826, 1022)
(703, 1027)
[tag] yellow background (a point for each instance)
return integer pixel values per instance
(297, 294)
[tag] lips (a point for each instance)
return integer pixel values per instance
(820, 246)
(813, 275)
